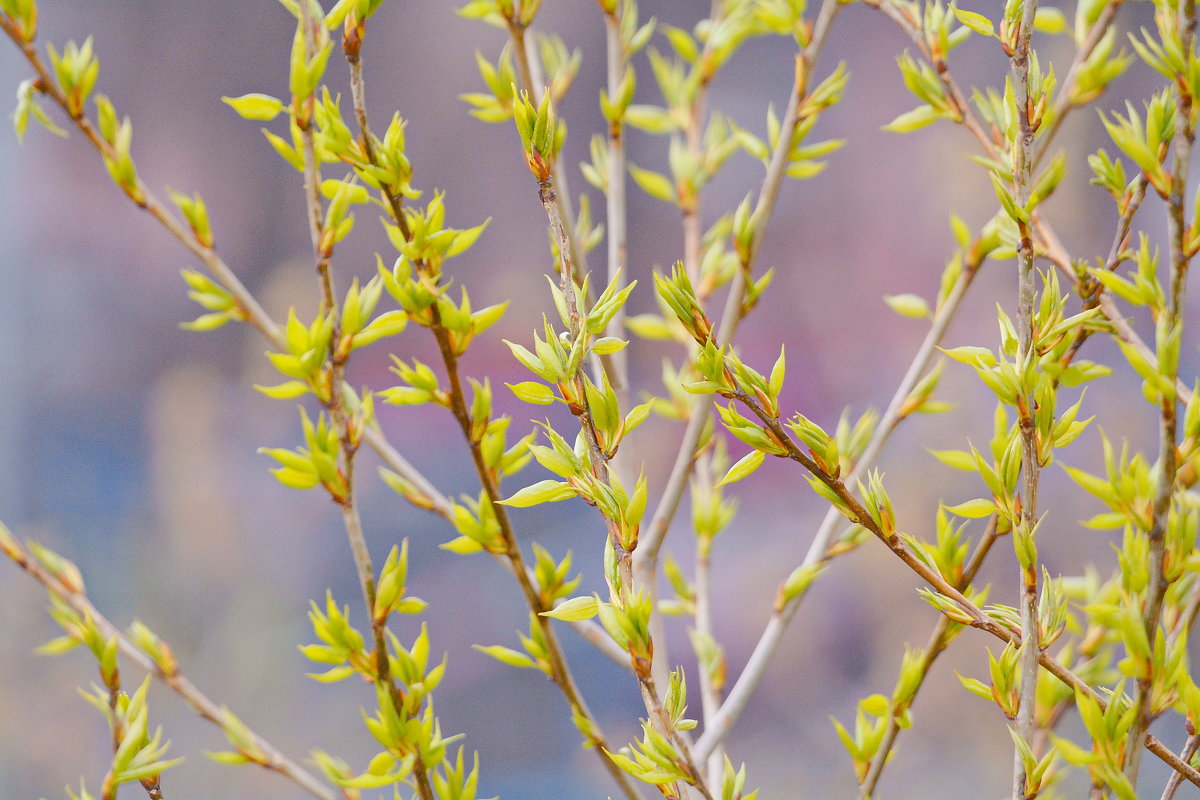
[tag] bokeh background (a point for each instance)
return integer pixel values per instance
(129, 444)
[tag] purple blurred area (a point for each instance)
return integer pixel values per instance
(129, 445)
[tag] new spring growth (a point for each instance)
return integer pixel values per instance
(213, 297)
(542, 134)
(1167, 57)
(196, 214)
(139, 755)
(159, 651)
(338, 222)
(1100, 68)
(655, 761)
(310, 54)
(421, 385)
(61, 569)
(305, 360)
(342, 645)
(78, 629)
(870, 724)
(357, 327)
(1146, 143)
(924, 83)
(23, 16)
(118, 161)
(76, 69)
(246, 749)
(27, 106)
(677, 292)
(317, 463)
(425, 241)
(351, 12)
(390, 594)
(477, 525)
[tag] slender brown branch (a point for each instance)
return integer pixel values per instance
(1168, 450)
(1064, 104)
(719, 726)
(968, 119)
(1058, 256)
(1176, 779)
(512, 558)
(654, 534)
(971, 614)
(523, 41)
(273, 759)
(339, 416)
(599, 470)
(939, 639)
(1022, 177)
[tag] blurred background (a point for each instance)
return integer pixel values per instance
(129, 445)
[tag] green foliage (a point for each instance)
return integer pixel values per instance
(1111, 650)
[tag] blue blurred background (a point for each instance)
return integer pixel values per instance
(129, 445)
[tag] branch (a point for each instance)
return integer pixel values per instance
(173, 678)
(1171, 319)
(511, 558)
(340, 418)
(1176, 779)
(1064, 104)
(967, 612)
(1022, 177)
(939, 639)
(599, 469)
(719, 726)
(652, 538)
(616, 207)
(1058, 256)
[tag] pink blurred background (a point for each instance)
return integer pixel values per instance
(129, 445)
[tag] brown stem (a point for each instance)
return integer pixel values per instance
(938, 641)
(1168, 462)
(658, 716)
(273, 759)
(1176, 780)
(973, 615)
(341, 421)
(654, 534)
(1022, 176)
(718, 727)
(1063, 105)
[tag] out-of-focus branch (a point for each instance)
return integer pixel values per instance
(272, 758)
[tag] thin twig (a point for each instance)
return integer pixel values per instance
(339, 415)
(902, 16)
(768, 642)
(1022, 178)
(938, 641)
(523, 41)
(652, 537)
(273, 759)
(659, 718)
(1168, 450)
(1176, 780)
(512, 557)
(1058, 256)
(1064, 104)
(971, 614)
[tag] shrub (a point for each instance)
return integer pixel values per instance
(1075, 654)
